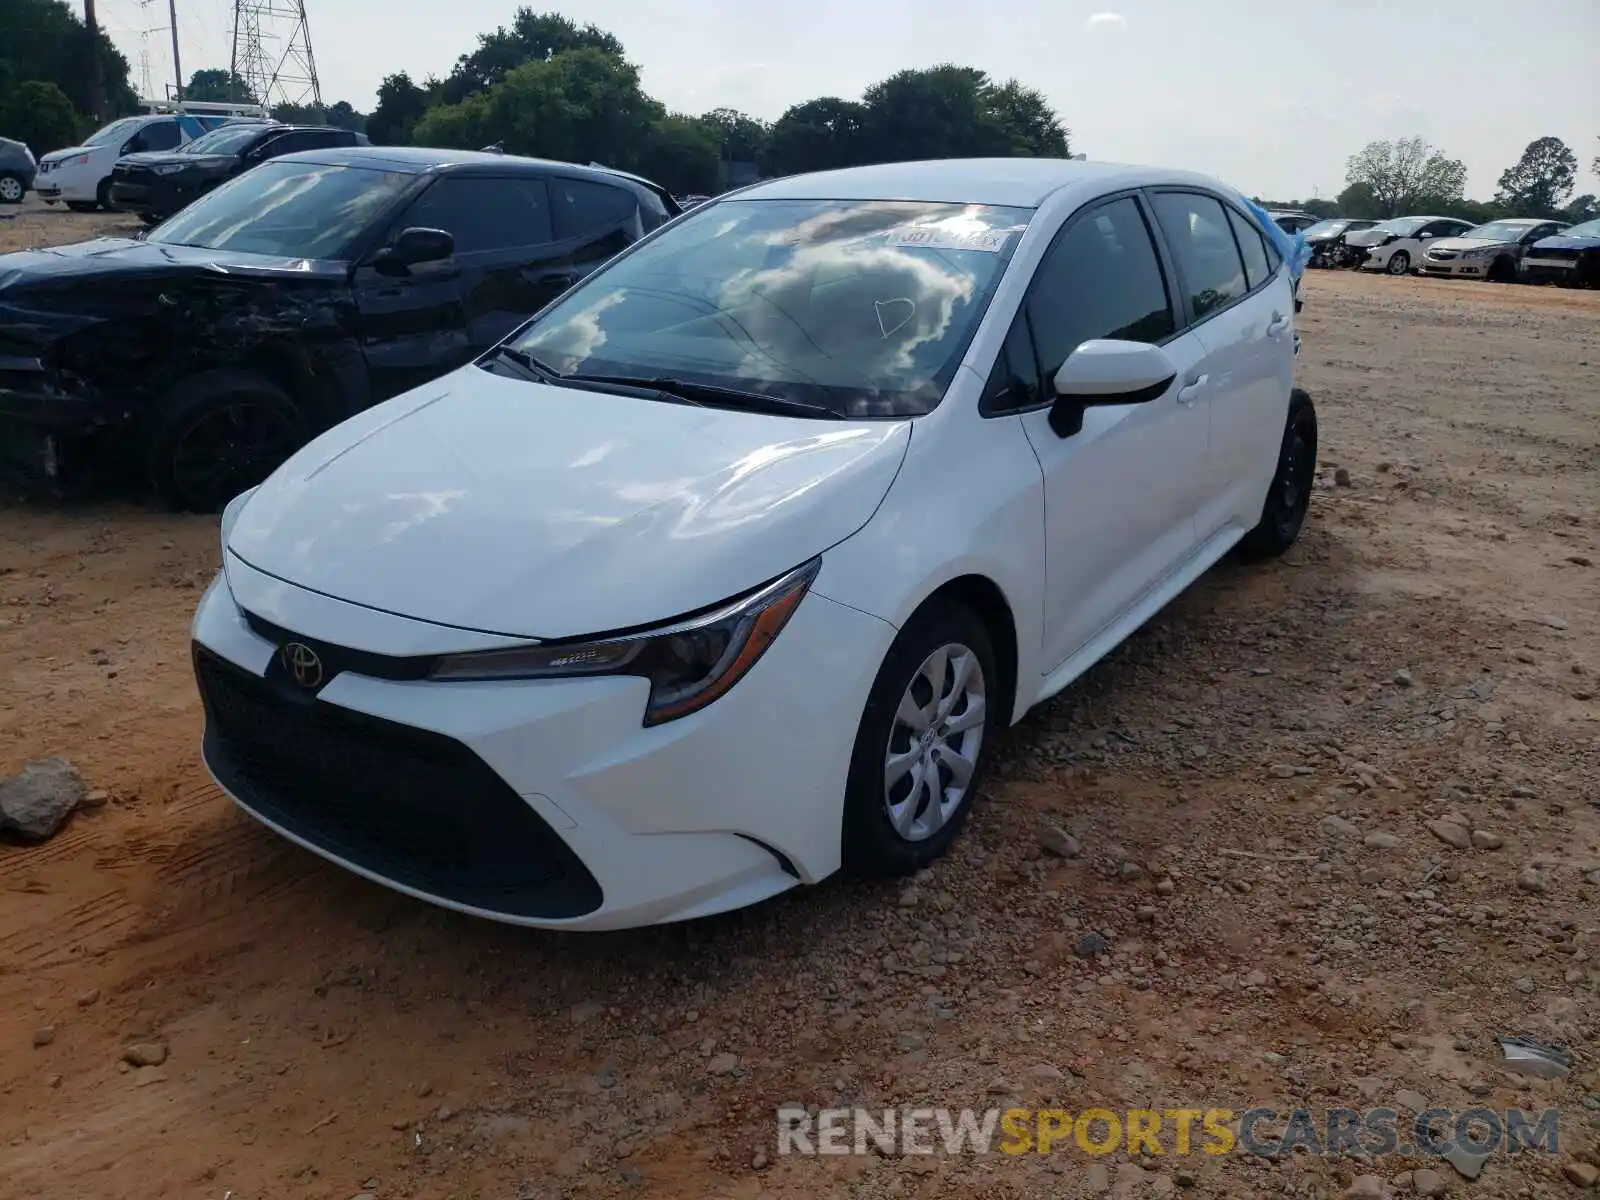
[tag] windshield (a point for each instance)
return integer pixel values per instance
(1588, 229)
(113, 131)
(1499, 231)
(861, 307)
(1326, 228)
(1404, 226)
(225, 140)
(294, 210)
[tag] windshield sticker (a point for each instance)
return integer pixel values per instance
(988, 240)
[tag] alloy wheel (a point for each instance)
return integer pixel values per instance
(1399, 263)
(229, 450)
(10, 189)
(934, 742)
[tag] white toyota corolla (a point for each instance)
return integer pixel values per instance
(723, 572)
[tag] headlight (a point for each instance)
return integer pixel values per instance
(167, 168)
(688, 663)
(77, 162)
(230, 514)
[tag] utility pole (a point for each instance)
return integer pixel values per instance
(97, 79)
(177, 67)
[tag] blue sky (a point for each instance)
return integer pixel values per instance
(1272, 97)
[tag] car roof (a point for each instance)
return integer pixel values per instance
(419, 160)
(1011, 182)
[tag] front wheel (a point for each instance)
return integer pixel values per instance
(922, 744)
(219, 434)
(12, 189)
(1289, 497)
(1399, 263)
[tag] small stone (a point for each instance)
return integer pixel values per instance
(1467, 1164)
(1283, 771)
(53, 1082)
(1479, 1088)
(1415, 1101)
(38, 799)
(1427, 1183)
(723, 1064)
(1147, 913)
(1047, 1073)
(1450, 834)
(1129, 871)
(89, 998)
(1366, 1187)
(1341, 477)
(1531, 879)
(1484, 840)
(1091, 944)
(444, 1113)
(1337, 826)
(907, 1042)
(910, 897)
(1060, 843)
(1404, 678)
(96, 798)
(1166, 887)
(1524, 985)
(1381, 840)
(1184, 1178)
(1003, 1087)
(1097, 1178)
(1580, 1174)
(43, 1037)
(1551, 621)
(145, 1054)
(758, 1161)
(585, 1010)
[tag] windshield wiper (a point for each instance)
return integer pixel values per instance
(540, 372)
(690, 392)
(526, 361)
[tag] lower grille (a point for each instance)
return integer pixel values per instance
(408, 804)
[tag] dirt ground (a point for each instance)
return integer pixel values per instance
(1430, 649)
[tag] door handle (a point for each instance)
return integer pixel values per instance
(1277, 325)
(1190, 392)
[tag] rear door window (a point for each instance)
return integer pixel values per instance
(1197, 229)
(583, 208)
(484, 214)
(160, 135)
(1253, 248)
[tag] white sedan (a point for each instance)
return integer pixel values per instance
(724, 571)
(1395, 246)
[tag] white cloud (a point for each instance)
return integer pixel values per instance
(1106, 20)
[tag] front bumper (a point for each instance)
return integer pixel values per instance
(1456, 268)
(38, 410)
(539, 802)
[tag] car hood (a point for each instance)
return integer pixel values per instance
(56, 156)
(517, 508)
(114, 256)
(1466, 243)
(164, 158)
(1561, 241)
(1367, 237)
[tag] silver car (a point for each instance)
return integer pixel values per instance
(1493, 251)
(17, 169)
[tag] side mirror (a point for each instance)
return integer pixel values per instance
(1422, 237)
(414, 246)
(1107, 371)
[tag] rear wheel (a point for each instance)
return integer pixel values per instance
(219, 434)
(1502, 270)
(12, 188)
(1289, 497)
(922, 744)
(102, 194)
(1399, 263)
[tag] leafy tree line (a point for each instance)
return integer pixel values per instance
(546, 86)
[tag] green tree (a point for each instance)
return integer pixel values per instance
(44, 40)
(819, 135)
(737, 136)
(217, 84)
(401, 105)
(1358, 201)
(1035, 130)
(1406, 176)
(940, 112)
(1540, 181)
(681, 154)
(533, 37)
(462, 126)
(1583, 208)
(578, 106)
(40, 115)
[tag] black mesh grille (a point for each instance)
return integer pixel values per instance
(411, 805)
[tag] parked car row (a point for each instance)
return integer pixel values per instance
(80, 176)
(1501, 251)
(293, 295)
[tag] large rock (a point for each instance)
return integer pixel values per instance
(35, 801)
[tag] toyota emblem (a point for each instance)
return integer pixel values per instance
(302, 663)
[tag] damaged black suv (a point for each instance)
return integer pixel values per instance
(204, 353)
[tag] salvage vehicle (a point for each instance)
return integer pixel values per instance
(1395, 246)
(1326, 239)
(301, 292)
(727, 569)
(1292, 220)
(17, 170)
(1491, 251)
(158, 184)
(81, 175)
(1570, 258)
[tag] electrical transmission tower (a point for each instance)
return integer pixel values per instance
(272, 53)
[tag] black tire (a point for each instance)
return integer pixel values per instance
(102, 195)
(218, 434)
(1399, 263)
(82, 205)
(1289, 495)
(1502, 270)
(13, 187)
(871, 845)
